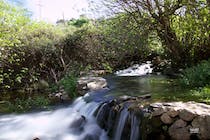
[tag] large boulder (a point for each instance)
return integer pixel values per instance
(181, 133)
(88, 83)
(202, 124)
(179, 124)
(78, 123)
(186, 115)
(166, 119)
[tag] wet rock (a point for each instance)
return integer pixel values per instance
(202, 124)
(78, 122)
(179, 133)
(111, 121)
(146, 96)
(126, 98)
(96, 85)
(102, 115)
(166, 119)
(91, 137)
(186, 115)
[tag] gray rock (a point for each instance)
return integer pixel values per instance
(91, 137)
(77, 122)
(156, 105)
(166, 119)
(179, 124)
(173, 113)
(179, 133)
(85, 84)
(158, 111)
(186, 115)
(203, 123)
(96, 85)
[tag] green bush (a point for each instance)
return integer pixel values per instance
(196, 76)
(30, 51)
(22, 105)
(201, 94)
(69, 83)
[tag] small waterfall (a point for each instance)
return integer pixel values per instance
(136, 70)
(121, 123)
(76, 122)
(135, 122)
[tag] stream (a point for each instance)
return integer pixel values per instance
(78, 121)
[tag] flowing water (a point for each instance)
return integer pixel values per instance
(135, 122)
(136, 70)
(77, 121)
(121, 123)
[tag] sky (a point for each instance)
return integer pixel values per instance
(53, 10)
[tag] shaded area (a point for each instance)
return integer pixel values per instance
(161, 88)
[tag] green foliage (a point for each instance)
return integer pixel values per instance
(69, 83)
(182, 27)
(193, 30)
(202, 94)
(125, 39)
(84, 47)
(12, 22)
(78, 22)
(107, 67)
(113, 42)
(30, 50)
(196, 76)
(23, 105)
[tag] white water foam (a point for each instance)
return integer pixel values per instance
(73, 123)
(136, 70)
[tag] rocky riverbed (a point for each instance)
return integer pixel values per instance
(135, 117)
(174, 120)
(179, 120)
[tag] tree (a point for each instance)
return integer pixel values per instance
(11, 24)
(158, 15)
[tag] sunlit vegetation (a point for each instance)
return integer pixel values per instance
(172, 31)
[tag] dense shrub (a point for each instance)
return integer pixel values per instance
(23, 105)
(69, 83)
(196, 76)
(29, 51)
(201, 94)
(37, 57)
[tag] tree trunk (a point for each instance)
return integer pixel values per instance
(169, 39)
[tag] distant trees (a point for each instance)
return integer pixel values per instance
(12, 21)
(74, 22)
(164, 17)
(29, 50)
